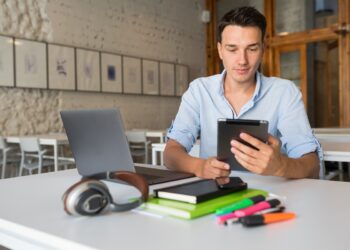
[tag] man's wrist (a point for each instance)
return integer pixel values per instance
(283, 168)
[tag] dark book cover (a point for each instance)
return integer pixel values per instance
(201, 190)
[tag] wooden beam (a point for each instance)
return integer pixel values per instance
(212, 62)
(344, 62)
(309, 36)
(268, 64)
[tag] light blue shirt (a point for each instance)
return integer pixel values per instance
(276, 100)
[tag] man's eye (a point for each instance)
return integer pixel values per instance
(232, 50)
(254, 49)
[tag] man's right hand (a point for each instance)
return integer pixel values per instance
(212, 168)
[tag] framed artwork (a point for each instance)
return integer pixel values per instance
(167, 79)
(31, 68)
(61, 67)
(181, 79)
(150, 77)
(6, 62)
(111, 67)
(132, 75)
(88, 70)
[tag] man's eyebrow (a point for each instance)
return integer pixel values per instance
(254, 44)
(230, 45)
(234, 45)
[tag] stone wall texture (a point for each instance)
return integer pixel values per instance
(163, 30)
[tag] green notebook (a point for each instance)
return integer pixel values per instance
(186, 210)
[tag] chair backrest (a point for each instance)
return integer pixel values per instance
(136, 136)
(29, 144)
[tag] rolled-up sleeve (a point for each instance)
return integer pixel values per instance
(294, 128)
(186, 127)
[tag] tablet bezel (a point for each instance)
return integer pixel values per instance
(229, 129)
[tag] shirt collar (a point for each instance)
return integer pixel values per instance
(257, 86)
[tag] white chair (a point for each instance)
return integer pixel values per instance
(8, 156)
(138, 143)
(32, 156)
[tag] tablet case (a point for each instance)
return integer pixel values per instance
(229, 129)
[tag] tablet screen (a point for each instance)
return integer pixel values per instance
(229, 129)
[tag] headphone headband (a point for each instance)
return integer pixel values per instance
(72, 198)
(131, 178)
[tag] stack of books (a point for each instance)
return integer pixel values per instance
(199, 198)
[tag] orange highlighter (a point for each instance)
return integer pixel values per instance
(262, 219)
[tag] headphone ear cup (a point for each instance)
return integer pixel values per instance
(87, 197)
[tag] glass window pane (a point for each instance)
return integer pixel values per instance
(301, 15)
(290, 66)
(326, 84)
(224, 6)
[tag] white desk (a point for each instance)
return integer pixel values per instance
(154, 133)
(158, 134)
(49, 139)
(336, 147)
(32, 217)
(331, 130)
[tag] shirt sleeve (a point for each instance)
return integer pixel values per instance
(186, 126)
(294, 129)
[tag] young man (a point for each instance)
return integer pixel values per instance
(241, 92)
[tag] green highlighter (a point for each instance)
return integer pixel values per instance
(240, 204)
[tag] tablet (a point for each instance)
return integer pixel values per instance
(229, 129)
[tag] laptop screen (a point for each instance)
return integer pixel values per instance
(97, 140)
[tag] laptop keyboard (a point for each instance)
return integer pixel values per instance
(149, 177)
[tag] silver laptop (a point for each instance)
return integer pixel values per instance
(99, 144)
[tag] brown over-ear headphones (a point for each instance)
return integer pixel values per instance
(90, 195)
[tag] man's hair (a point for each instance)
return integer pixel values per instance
(244, 17)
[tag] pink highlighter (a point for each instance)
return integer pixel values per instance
(249, 210)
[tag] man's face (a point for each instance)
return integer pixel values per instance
(241, 51)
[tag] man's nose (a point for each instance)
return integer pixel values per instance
(242, 59)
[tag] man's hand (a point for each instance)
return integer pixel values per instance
(211, 168)
(266, 160)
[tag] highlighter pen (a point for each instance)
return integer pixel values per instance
(240, 204)
(278, 209)
(249, 210)
(263, 219)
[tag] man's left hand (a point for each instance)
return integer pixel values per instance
(266, 159)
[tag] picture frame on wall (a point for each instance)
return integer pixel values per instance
(111, 70)
(150, 77)
(132, 75)
(61, 60)
(31, 64)
(181, 79)
(7, 77)
(88, 70)
(167, 79)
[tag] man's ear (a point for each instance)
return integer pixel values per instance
(219, 45)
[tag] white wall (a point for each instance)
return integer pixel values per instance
(164, 30)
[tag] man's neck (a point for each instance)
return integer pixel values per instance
(233, 87)
(238, 93)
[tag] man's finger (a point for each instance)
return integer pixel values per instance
(245, 157)
(251, 167)
(252, 140)
(218, 172)
(273, 141)
(219, 164)
(244, 148)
